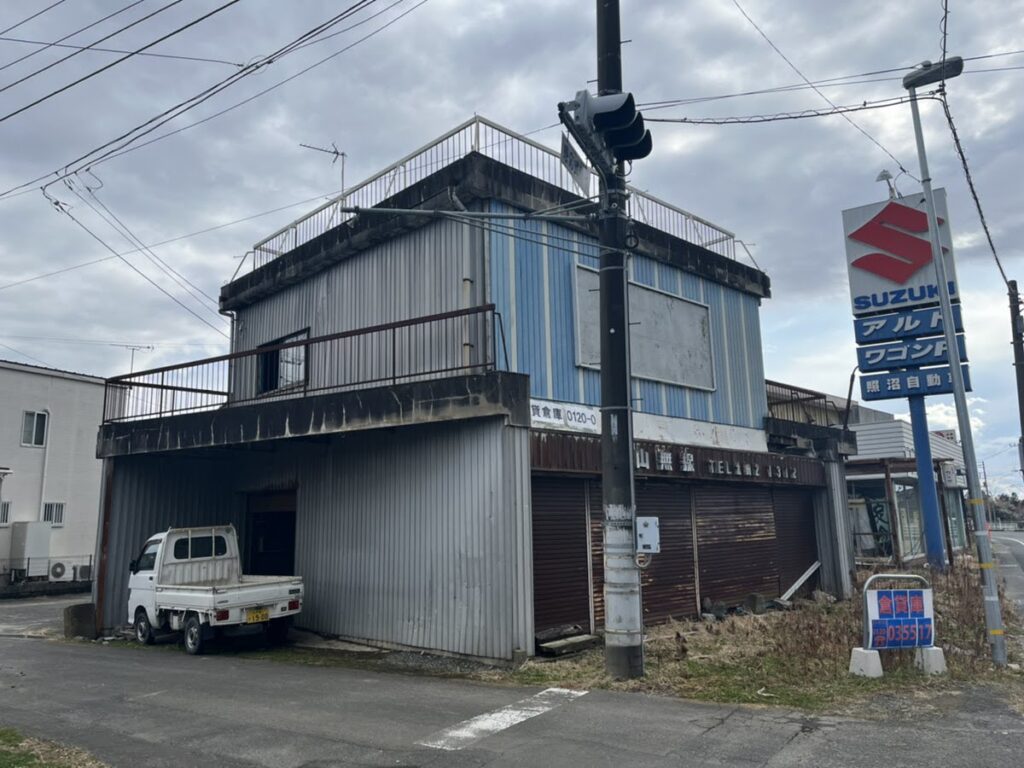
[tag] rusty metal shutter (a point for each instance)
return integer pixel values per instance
(796, 545)
(668, 583)
(735, 542)
(561, 580)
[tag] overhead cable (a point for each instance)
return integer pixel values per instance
(26, 20)
(78, 31)
(58, 44)
(124, 58)
(817, 90)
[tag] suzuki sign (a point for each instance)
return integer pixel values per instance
(889, 256)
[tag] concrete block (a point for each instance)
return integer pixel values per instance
(931, 661)
(80, 621)
(864, 663)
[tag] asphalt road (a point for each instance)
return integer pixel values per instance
(1008, 548)
(138, 707)
(36, 616)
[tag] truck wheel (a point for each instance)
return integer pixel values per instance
(277, 631)
(193, 635)
(143, 629)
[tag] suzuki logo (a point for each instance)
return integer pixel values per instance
(905, 254)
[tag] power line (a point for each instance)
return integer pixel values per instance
(970, 184)
(25, 354)
(134, 240)
(25, 21)
(78, 31)
(125, 149)
(114, 63)
(52, 64)
(803, 77)
(58, 44)
(67, 212)
(134, 134)
(107, 342)
(162, 242)
(793, 115)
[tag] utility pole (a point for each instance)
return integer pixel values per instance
(1018, 362)
(624, 641)
(925, 75)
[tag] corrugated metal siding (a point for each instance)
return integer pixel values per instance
(795, 536)
(884, 439)
(418, 273)
(735, 543)
(152, 494)
(560, 550)
(532, 284)
(418, 537)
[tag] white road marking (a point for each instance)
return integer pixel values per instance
(469, 731)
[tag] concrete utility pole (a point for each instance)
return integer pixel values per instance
(1018, 362)
(623, 622)
(927, 74)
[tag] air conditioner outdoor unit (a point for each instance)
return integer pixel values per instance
(60, 571)
(82, 572)
(30, 549)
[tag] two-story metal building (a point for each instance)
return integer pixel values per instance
(408, 415)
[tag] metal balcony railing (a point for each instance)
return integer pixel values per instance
(481, 135)
(804, 406)
(458, 342)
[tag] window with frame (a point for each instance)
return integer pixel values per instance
(147, 560)
(282, 368)
(53, 513)
(33, 429)
(5, 513)
(202, 546)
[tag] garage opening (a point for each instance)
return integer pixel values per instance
(270, 534)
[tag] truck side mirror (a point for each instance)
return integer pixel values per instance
(133, 566)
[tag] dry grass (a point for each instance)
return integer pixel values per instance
(795, 658)
(17, 751)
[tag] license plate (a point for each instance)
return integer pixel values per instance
(257, 615)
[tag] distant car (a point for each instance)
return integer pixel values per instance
(190, 580)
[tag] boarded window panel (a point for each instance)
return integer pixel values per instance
(669, 337)
(561, 580)
(736, 543)
(797, 547)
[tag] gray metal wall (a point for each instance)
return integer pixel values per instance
(419, 537)
(419, 273)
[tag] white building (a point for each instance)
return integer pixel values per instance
(50, 472)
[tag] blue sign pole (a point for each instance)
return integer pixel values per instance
(926, 493)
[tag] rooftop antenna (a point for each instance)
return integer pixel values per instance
(752, 259)
(134, 348)
(337, 153)
(885, 176)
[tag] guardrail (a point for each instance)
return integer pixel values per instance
(457, 342)
(479, 134)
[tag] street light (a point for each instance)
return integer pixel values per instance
(927, 74)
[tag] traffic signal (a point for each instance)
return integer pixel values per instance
(612, 128)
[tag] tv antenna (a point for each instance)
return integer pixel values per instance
(337, 153)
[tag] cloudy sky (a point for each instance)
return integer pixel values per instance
(405, 79)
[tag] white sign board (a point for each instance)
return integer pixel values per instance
(889, 255)
(569, 417)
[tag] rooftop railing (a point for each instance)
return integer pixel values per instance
(804, 406)
(479, 134)
(453, 343)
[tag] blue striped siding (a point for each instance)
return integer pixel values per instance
(530, 298)
(592, 387)
(643, 271)
(561, 264)
(545, 341)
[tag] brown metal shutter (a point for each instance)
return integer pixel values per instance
(796, 546)
(668, 583)
(561, 581)
(735, 543)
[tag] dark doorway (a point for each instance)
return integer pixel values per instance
(270, 534)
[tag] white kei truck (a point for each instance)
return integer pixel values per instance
(190, 580)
